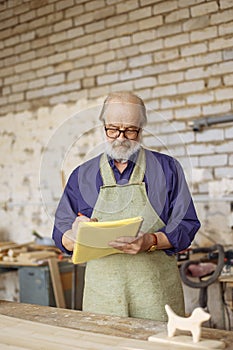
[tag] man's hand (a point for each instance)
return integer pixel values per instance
(132, 245)
(141, 243)
(68, 239)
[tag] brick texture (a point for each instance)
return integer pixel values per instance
(61, 56)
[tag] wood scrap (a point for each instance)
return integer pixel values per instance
(10, 250)
(4, 243)
(56, 283)
(13, 252)
(35, 246)
(35, 256)
(7, 258)
(6, 247)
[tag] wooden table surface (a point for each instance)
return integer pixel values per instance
(226, 278)
(108, 325)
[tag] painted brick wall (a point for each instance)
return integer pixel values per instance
(60, 58)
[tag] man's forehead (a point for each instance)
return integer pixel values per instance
(123, 112)
(128, 98)
(121, 117)
(128, 101)
(123, 124)
(126, 107)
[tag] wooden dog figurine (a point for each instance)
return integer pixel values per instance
(191, 323)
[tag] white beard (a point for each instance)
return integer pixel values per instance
(121, 151)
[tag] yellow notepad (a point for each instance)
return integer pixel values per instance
(92, 237)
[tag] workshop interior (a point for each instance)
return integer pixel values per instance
(59, 61)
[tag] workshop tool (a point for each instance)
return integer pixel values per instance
(40, 240)
(203, 283)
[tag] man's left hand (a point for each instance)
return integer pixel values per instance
(132, 245)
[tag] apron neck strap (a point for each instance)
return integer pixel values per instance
(106, 171)
(139, 168)
(137, 174)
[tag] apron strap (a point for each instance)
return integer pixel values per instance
(137, 174)
(106, 171)
(139, 169)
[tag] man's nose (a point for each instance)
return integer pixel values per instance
(122, 135)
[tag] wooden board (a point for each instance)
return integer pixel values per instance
(56, 283)
(187, 341)
(84, 321)
(35, 256)
(36, 336)
(124, 327)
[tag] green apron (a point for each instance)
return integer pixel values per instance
(131, 285)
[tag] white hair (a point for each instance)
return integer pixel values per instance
(128, 97)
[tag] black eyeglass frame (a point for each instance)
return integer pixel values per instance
(123, 132)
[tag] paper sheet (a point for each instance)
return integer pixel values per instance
(93, 237)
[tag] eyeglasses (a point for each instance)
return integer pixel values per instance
(128, 134)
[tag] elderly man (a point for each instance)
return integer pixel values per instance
(128, 180)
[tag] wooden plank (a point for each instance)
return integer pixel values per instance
(35, 336)
(6, 243)
(10, 347)
(16, 264)
(187, 341)
(126, 327)
(85, 321)
(5, 247)
(56, 283)
(35, 256)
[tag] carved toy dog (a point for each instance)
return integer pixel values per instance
(191, 323)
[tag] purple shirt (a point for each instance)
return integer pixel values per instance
(166, 188)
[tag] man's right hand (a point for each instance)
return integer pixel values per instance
(68, 238)
(68, 241)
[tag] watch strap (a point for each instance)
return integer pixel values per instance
(154, 246)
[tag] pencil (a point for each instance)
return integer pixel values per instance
(91, 219)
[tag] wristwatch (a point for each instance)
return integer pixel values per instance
(154, 245)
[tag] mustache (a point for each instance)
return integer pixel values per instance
(125, 143)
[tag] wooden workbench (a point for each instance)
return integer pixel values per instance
(128, 328)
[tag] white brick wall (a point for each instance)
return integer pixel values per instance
(176, 54)
(211, 135)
